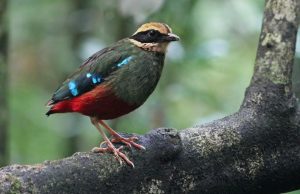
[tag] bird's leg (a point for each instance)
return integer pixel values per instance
(118, 138)
(110, 147)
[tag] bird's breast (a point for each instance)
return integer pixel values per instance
(134, 82)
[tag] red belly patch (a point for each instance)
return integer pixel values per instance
(99, 102)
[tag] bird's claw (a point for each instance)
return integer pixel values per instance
(128, 142)
(120, 156)
(117, 153)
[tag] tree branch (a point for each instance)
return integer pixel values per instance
(276, 49)
(255, 150)
(275, 57)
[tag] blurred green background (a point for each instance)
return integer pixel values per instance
(204, 78)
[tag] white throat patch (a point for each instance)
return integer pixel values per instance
(155, 47)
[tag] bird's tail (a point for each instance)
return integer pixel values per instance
(59, 107)
(50, 105)
(49, 112)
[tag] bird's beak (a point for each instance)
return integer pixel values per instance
(172, 37)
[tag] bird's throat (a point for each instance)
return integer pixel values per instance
(154, 47)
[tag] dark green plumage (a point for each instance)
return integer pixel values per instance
(133, 81)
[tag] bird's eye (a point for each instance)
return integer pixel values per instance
(152, 33)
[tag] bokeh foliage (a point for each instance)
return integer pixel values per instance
(204, 78)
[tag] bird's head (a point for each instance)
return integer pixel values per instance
(153, 36)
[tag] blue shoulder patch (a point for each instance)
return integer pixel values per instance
(124, 61)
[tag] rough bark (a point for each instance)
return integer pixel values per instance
(256, 150)
(3, 85)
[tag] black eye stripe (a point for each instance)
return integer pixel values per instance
(149, 36)
(149, 32)
(153, 33)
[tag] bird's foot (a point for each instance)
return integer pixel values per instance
(127, 141)
(116, 151)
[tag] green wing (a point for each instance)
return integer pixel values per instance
(93, 72)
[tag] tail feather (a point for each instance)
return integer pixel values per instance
(50, 103)
(49, 112)
(58, 107)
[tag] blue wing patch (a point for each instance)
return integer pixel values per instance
(96, 79)
(73, 88)
(84, 84)
(85, 81)
(88, 75)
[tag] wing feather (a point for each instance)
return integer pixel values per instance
(91, 73)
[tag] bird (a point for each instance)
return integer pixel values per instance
(115, 81)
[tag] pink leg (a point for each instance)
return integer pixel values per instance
(110, 147)
(118, 138)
